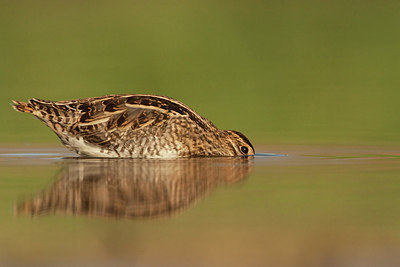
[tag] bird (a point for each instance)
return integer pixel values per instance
(133, 188)
(135, 126)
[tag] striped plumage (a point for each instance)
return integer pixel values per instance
(135, 126)
(132, 188)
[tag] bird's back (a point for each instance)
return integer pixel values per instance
(122, 125)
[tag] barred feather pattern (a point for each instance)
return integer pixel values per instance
(132, 188)
(134, 126)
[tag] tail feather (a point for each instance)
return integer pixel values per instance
(22, 106)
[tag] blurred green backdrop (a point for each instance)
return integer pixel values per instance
(279, 71)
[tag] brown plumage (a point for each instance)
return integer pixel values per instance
(131, 188)
(135, 126)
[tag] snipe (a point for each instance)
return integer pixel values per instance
(135, 126)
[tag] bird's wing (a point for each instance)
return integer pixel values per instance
(95, 119)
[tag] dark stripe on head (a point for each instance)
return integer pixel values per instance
(245, 139)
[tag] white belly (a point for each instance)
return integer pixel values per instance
(84, 148)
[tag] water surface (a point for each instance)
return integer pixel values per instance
(288, 206)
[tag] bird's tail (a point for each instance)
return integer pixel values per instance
(22, 106)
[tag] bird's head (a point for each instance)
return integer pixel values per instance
(240, 143)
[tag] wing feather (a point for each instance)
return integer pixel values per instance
(100, 119)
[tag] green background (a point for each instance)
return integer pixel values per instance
(279, 71)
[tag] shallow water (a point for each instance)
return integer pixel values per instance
(289, 206)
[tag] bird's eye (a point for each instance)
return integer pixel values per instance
(244, 149)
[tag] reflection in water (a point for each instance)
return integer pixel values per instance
(134, 188)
